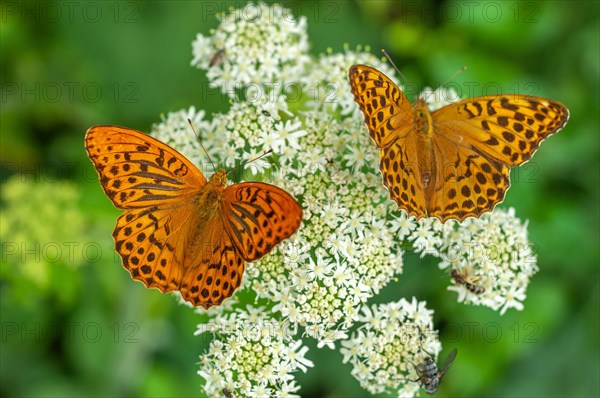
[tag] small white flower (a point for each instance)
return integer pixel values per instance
(254, 164)
(403, 225)
(295, 355)
(356, 158)
(513, 299)
(288, 133)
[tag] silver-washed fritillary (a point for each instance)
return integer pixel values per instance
(180, 231)
(453, 163)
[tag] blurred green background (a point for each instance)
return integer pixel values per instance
(74, 324)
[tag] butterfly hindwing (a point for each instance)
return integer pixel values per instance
(400, 176)
(215, 272)
(151, 243)
(467, 182)
(257, 216)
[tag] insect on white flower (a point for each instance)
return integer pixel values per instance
(352, 239)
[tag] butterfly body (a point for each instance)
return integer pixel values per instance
(179, 231)
(210, 197)
(202, 224)
(455, 162)
(422, 119)
(424, 131)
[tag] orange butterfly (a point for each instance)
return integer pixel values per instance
(180, 231)
(453, 163)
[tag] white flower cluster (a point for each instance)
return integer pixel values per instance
(253, 356)
(491, 252)
(349, 245)
(256, 44)
(390, 342)
(326, 81)
(344, 253)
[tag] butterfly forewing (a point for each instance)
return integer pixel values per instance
(388, 114)
(137, 170)
(257, 216)
(389, 119)
(508, 128)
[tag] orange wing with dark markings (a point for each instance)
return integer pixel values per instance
(390, 120)
(180, 231)
(455, 162)
(257, 216)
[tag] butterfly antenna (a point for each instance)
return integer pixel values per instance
(250, 161)
(459, 71)
(200, 141)
(393, 64)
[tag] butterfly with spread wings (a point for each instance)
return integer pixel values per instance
(453, 163)
(178, 231)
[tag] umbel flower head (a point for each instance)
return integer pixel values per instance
(253, 356)
(256, 44)
(350, 244)
(492, 252)
(387, 347)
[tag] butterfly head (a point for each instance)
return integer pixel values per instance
(219, 179)
(423, 119)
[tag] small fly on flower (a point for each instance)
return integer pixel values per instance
(216, 58)
(227, 392)
(469, 283)
(430, 375)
